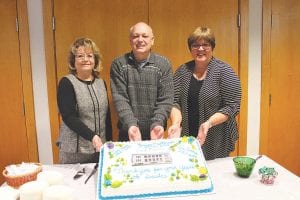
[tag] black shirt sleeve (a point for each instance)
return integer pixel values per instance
(66, 100)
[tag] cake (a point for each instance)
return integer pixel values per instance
(152, 169)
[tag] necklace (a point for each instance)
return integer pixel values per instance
(199, 76)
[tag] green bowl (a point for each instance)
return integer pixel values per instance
(244, 165)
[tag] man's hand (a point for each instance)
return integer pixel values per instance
(134, 134)
(157, 133)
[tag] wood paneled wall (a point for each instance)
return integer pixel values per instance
(171, 20)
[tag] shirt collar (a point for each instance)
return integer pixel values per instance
(150, 59)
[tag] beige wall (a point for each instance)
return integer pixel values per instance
(254, 76)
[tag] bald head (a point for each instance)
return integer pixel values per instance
(141, 40)
(141, 27)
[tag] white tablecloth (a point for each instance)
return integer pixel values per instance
(227, 184)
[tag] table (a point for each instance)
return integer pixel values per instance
(227, 184)
(230, 186)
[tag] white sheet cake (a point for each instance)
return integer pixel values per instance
(152, 169)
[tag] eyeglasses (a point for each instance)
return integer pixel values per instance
(204, 46)
(83, 56)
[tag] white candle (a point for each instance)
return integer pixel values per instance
(58, 192)
(32, 190)
(51, 177)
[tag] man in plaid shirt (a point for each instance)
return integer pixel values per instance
(142, 88)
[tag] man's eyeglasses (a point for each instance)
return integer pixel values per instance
(84, 56)
(204, 46)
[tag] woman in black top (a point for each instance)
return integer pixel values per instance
(83, 105)
(207, 98)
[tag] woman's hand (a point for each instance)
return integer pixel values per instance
(174, 131)
(202, 132)
(97, 143)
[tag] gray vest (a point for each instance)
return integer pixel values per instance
(92, 106)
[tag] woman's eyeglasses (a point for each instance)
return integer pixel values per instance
(204, 46)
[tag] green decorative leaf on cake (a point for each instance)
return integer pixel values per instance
(184, 140)
(193, 147)
(116, 184)
(119, 144)
(194, 178)
(194, 160)
(120, 161)
(173, 147)
(177, 175)
(107, 176)
(128, 178)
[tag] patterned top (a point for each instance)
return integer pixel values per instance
(142, 94)
(220, 92)
(84, 109)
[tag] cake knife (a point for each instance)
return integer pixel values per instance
(79, 174)
(92, 173)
